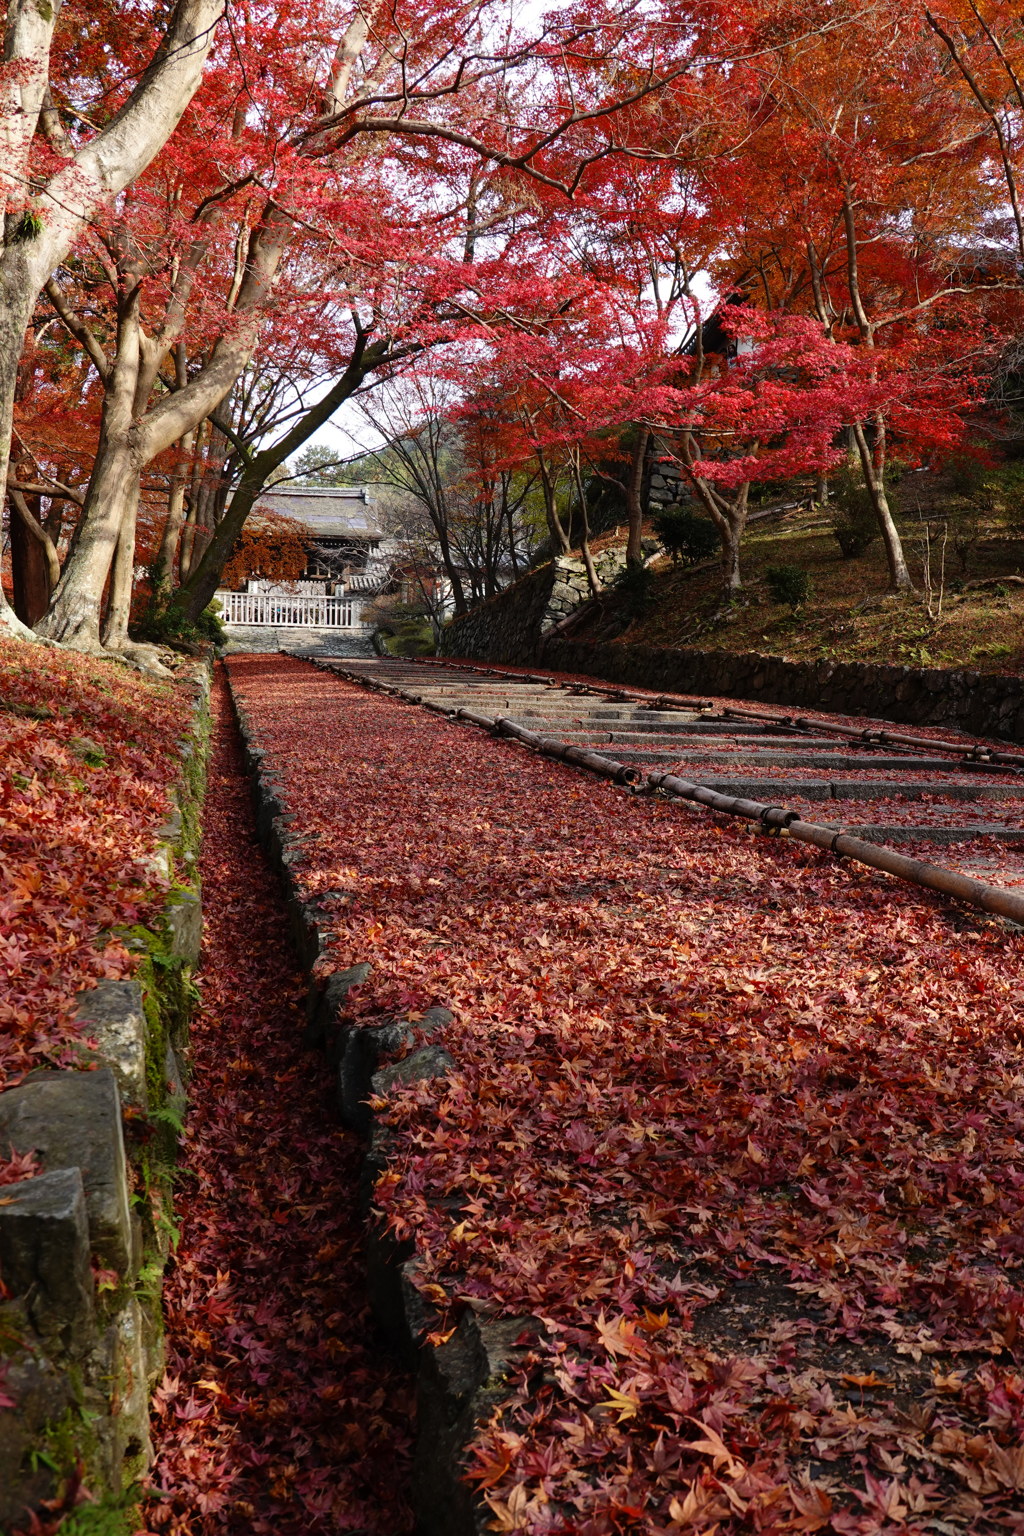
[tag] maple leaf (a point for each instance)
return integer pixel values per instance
(711, 1444)
(623, 1404)
(619, 1336)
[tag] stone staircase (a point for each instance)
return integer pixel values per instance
(879, 793)
(300, 642)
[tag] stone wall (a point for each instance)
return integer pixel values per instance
(984, 705)
(508, 626)
(84, 1238)
(664, 480)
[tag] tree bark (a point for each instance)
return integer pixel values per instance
(34, 564)
(874, 479)
(634, 505)
(111, 499)
(163, 570)
(16, 305)
(74, 613)
(122, 580)
(732, 581)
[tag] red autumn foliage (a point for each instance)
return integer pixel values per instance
(738, 1128)
(271, 546)
(87, 754)
(277, 1413)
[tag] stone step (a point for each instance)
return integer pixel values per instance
(955, 833)
(776, 791)
(642, 727)
(699, 743)
(744, 759)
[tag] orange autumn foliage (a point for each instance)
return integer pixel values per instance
(272, 546)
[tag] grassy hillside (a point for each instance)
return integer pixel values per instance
(849, 615)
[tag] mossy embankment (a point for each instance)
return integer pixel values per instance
(102, 775)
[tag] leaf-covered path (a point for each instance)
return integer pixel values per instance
(277, 1413)
(740, 1127)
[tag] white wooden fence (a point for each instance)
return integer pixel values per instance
(292, 612)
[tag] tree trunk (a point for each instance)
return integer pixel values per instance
(30, 570)
(634, 504)
(873, 466)
(559, 537)
(729, 517)
(163, 570)
(732, 581)
(511, 526)
(16, 305)
(122, 581)
(588, 559)
(112, 496)
(74, 613)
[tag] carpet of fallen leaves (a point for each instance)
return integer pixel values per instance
(741, 1128)
(277, 1412)
(87, 753)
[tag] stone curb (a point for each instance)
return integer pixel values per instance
(459, 1381)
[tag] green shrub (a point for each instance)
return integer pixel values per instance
(687, 537)
(854, 531)
(407, 637)
(854, 522)
(789, 584)
(169, 626)
(633, 583)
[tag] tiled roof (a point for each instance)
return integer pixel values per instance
(329, 512)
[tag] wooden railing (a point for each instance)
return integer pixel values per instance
(292, 612)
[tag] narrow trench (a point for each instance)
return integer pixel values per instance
(279, 1411)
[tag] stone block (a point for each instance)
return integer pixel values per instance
(113, 1014)
(73, 1120)
(459, 1385)
(183, 916)
(325, 1003)
(378, 1150)
(170, 832)
(365, 1049)
(122, 1402)
(174, 1106)
(44, 1256)
(399, 1308)
(42, 1397)
(422, 1066)
(174, 1083)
